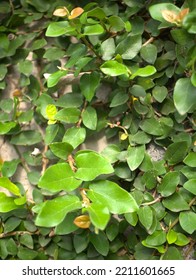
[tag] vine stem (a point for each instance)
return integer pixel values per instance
(11, 6)
(8, 234)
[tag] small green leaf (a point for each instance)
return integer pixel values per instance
(190, 159)
(113, 68)
(145, 215)
(116, 24)
(152, 126)
(61, 149)
(144, 72)
(175, 203)
(9, 167)
(172, 253)
(149, 53)
(99, 215)
(156, 239)
(108, 49)
(68, 115)
(89, 84)
(11, 224)
(100, 242)
(25, 67)
(54, 78)
(188, 221)
(116, 199)
(50, 133)
(7, 203)
(182, 240)
(89, 118)
(176, 152)
(7, 184)
(90, 165)
(95, 29)
(171, 236)
(59, 177)
(26, 253)
(53, 53)
(135, 156)
(132, 218)
(184, 96)
(75, 136)
(190, 186)
(59, 28)
(27, 240)
(54, 211)
(27, 137)
(159, 93)
(120, 98)
(6, 127)
(129, 47)
(67, 225)
(169, 183)
(51, 111)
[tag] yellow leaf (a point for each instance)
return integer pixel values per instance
(61, 12)
(182, 14)
(82, 221)
(51, 111)
(169, 16)
(123, 136)
(76, 13)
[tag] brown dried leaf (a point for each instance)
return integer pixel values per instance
(17, 92)
(182, 14)
(82, 221)
(61, 12)
(76, 12)
(169, 16)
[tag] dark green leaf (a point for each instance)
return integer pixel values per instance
(172, 253)
(149, 53)
(135, 156)
(9, 167)
(169, 183)
(145, 215)
(156, 239)
(188, 221)
(176, 152)
(176, 203)
(61, 149)
(89, 118)
(89, 84)
(27, 137)
(129, 47)
(68, 115)
(100, 242)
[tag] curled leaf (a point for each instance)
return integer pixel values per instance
(76, 13)
(61, 12)
(82, 221)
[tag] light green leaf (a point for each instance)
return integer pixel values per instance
(159, 93)
(89, 84)
(6, 127)
(129, 47)
(100, 242)
(90, 165)
(176, 152)
(184, 96)
(169, 183)
(157, 9)
(68, 115)
(144, 72)
(171, 236)
(25, 67)
(95, 29)
(190, 159)
(59, 28)
(156, 239)
(7, 203)
(61, 149)
(135, 156)
(113, 68)
(7, 184)
(145, 215)
(116, 199)
(54, 78)
(89, 118)
(108, 49)
(182, 240)
(132, 218)
(188, 221)
(75, 136)
(190, 186)
(54, 211)
(59, 177)
(99, 215)
(152, 126)
(175, 203)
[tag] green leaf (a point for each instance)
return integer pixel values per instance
(9, 167)
(175, 203)
(152, 126)
(108, 49)
(182, 240)
(189, 22)
(120, 98)
(89, 84)
(61, 149)
(99, 215)
(184, 96)
(190, 186)
(27, 240)
(144, 72)
(11, 224)
(89, 118)
(59, 177)
(156, 239)
(67, 225)
(149, 53)
(190, 159)
(54, 78)
(7, 203)
(6, 127)
(70, 100)
(68, 115)
(188, 221)
(157, 9)
(169, 183)
(113, 68)
(100, 242)
(95, 29)
(159, 93)
(145, 215)
(56, 29)
(171, 236)
(172, 253)
(90, 165)
(27, 137)
(116, 24)
(80, 242)
(54, 211)
(50, 133)
(25, 67)
(111, 152)
(7, 184)
(129, 47)
(116, 199)
(54, 53)
(51, 111)
(176, 152)
(75, 136)
(138, 91)
(135, 156)
(132, 218)
(3, 71)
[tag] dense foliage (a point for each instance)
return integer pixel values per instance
(73, 71)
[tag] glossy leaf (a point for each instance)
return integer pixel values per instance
(89, 84)
(182, 240)
(67, 225)
(175, 203)
(7, 203)
(55, 77)
(90, 165)
(116, 199)
(188, 221)
(171, 236)
(135, 156)
(144, 72)
(190, 186)
(129, 47)
(99, 215)
(176, 152)
(95, 29)
(100, 242)
(7, 184)
(59, 177)
(54, 211)
(61, 149)
(28, 137)
(113, 68)
(157, 238)
(169, 183)
(190, 159)
(68, 115)
(152, 126)
(145, 215)
(6, 127)
(9, 167)
(149, 53)
(89, 118)
(75, 136)
(59, 28)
